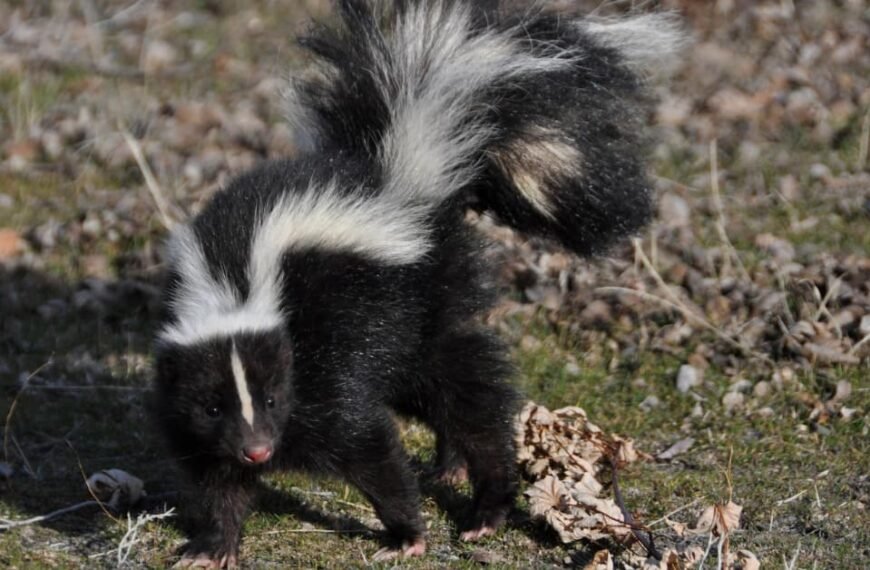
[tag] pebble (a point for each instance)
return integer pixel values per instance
(650, 403)
(761, 389)
(732, 401)
(674, 211)
(687, 378)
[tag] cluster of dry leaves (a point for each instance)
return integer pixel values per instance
(568, 459)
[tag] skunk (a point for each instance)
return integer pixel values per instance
(314, 298)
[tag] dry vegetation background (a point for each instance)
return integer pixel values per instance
(729, 344)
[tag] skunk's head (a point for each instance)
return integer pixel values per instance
(227, 397)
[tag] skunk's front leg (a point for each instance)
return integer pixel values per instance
(222, 496)
(375, 462)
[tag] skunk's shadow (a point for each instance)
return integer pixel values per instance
(66, 413)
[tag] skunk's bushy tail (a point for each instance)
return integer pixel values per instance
(536, 117)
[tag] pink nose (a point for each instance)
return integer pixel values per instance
(258, 453)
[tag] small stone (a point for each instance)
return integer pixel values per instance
(819, 170)
(596, 312)
(864, 327)
(92, 226)
(697, 410)
(159, 56)
(687, 378)
(740, 385)
(761, 389)
(52, 144)
(765, 412)
(732, 401)
(649, 403)
(6, 201)
(572, 369)
(530, 343)
(674, 211)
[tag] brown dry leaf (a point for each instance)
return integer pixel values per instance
(719, 519)
(601, 561)
(563, 453)
(545, 495)
(746, 560)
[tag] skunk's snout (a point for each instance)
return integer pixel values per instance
(257, 453)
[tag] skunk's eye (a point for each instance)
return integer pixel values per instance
(212, 411)
(270, 401)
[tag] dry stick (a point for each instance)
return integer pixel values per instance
(6, 525)
(160, 200)
(720, 212)
(672, 513)
(23, 457)
(88, 487)
(859, 344)
(646, 541)
(823, 304)
(864, 145)
(13, 406)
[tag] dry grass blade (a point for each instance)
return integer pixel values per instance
(689, 316)
(6, 524)
(9, 414)
(163, 205)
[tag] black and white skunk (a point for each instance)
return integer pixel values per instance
(314, 298)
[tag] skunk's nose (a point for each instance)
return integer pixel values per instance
(257, 453)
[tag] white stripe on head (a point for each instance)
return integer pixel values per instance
(242, 387)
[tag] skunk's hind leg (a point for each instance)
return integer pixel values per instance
(471, 405)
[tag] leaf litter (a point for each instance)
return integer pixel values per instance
(571, 465)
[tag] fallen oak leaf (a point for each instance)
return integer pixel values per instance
(719, 519)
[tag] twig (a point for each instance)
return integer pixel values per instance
(88, 487)
(706, 552)
(864, 144)
(794, 497)
(672, 513)
(823, 304)
(157, 195)
(688, 315)
(6, 525)
(131, 537)
(859, 344)
(315, 531)
(646, 541)
(791, 564)
(14, 404)
(23, 457)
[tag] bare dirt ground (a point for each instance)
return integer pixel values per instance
(736, 327)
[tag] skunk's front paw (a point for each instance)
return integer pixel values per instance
(207, 554)
(409, 548)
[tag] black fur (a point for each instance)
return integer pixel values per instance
(363, 338)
